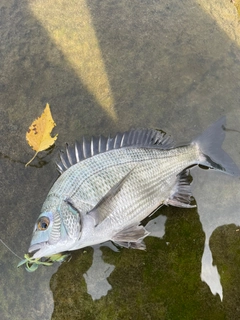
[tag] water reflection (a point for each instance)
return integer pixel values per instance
(215, 209)
(96, 276)
(211, 217)
(170, 267)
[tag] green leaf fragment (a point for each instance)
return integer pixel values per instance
(22, 262)
(33, 263)
(31, 268)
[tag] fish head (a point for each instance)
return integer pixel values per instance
(55, 231)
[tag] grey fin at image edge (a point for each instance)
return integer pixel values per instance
(210, 144)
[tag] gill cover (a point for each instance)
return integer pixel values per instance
(52, 228)
(71, 218)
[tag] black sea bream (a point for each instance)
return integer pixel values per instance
(109, 185)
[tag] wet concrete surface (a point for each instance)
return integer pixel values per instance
(107, 66)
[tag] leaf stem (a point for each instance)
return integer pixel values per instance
(31, 159)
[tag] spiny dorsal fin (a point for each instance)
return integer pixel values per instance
(141, 138)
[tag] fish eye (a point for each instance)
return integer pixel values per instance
(43, 223)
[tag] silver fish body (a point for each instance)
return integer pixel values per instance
(108, 186)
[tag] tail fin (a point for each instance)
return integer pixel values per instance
(210, 142)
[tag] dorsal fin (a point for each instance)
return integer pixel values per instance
(141, 138)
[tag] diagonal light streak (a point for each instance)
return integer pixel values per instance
(70, 26)
(225, 14)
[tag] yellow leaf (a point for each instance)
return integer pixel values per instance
(38, 135)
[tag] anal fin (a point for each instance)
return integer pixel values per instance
(181, 195)
(131, 237)
(133, 245)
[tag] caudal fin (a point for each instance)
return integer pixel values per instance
(210, 144)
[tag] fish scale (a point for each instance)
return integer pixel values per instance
(75, 177)
(91, 185)
(151, 194)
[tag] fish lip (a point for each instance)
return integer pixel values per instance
(36, 247)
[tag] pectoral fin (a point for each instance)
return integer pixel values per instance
(100, 212)
(131, 237)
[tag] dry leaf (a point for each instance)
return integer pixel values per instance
(38, 135)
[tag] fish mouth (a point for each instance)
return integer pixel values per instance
(36, 247)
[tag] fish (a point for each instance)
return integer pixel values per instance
(107, 186)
